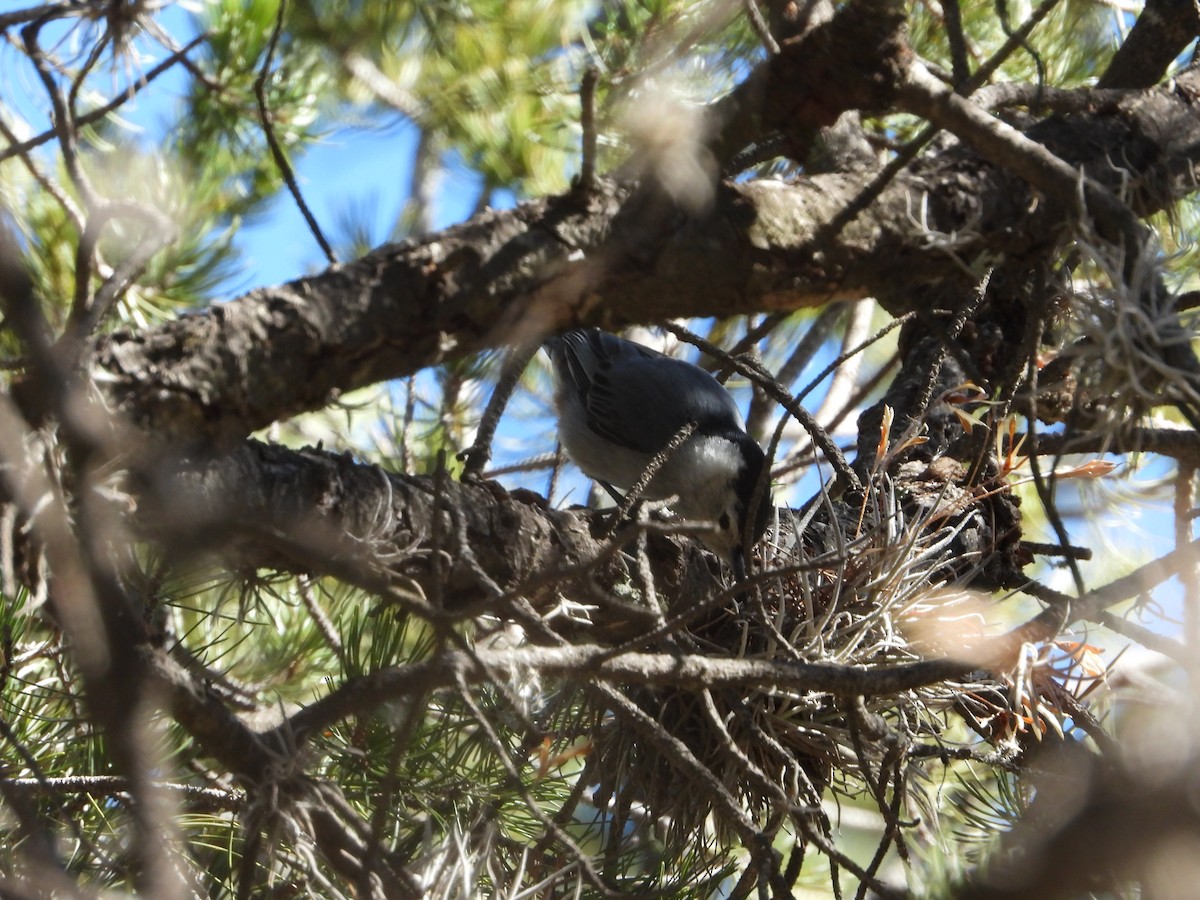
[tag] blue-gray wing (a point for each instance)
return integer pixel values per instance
(636, 397)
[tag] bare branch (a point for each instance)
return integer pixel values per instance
(277, 154)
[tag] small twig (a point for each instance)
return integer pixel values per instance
(802, 354)
(920, 408)
(991, 760)
(1040, 549)
(845, 376)
(46, 784)
(84, 251)
(660, 459)
(65, 127)
(49, 11)
(410, 413)
(838, 858)
(21, 148)
(89, 311)
(81, 73)
(401, 744)
(277, 154)
(109, 785)
(760, 26)
(556, 468)
(436, 534)
(1023, 42)
(1045, 491)
(1168, 647)
(854, 714)
(645, 578)
(530, 464)
(1064, 609)
(891, 816)
(1083, 717)
(580, 859)
(161, 233)
(804, 454)
(780, 394)
(587, 122)
(827, 232)
(477, 455)
(47, 184)
(324, 625)
(1017, 38)
(679, 756)
(960, 61)
(756, 153)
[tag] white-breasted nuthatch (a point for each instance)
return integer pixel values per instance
(620, 404)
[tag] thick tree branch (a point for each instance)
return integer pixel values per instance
(505, 276)
(1160, 34)
(803, 87)
(1071, 189)
(266, 506)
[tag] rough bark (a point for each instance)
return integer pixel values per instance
(1160, 34)
(317, 512)
(612, 256)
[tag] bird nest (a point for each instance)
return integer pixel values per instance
(674, 764)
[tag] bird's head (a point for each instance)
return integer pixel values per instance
(727, 473)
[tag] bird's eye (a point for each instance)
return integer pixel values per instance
(724, 521)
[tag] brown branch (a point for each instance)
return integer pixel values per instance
(110, 785)
(65, 127)
(1178, 443)
(1062, 100)
(269, 506)
(804, 87)
(1077, 194)
(1065, 609)
(1019, 37)
(956, 38)
(21, 148)
(477, 455)
(587, 124)
(252, 756)
(1151, 640)
(595, 663)
(1162, 31)
(760, 26)
(277, 154)
(506, 276)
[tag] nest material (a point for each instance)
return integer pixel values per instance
(842, 594)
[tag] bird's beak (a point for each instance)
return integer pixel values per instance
(739, 564)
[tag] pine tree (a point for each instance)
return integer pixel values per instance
(300, 596)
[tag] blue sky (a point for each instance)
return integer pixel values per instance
(341, 175)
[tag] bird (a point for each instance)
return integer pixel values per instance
(619, 404)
